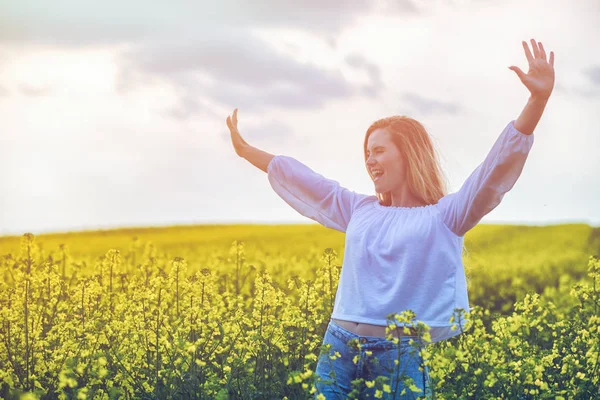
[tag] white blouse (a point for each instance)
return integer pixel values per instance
(400, 258)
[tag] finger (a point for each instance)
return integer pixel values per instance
(229, 124)
(235, 117)
(520, 74)
(552, 59)
(518, 71)
(527, 52)
(536, 51)
(542, 51)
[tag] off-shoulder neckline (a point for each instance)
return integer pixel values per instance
(378, 205)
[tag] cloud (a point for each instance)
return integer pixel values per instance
(31, 91)
(272, 132)
(428, 106)
(237, 70)
(358, 61)
(204, 50)
(401, 7)
(75, 23)
(559, 87)
(187, 107)
(593, 74)
(236, 57)
(591, 90)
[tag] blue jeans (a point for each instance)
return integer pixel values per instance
(341, 371)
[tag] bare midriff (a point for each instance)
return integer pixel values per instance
(362, 329)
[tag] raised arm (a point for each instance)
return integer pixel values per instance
(496, 175)
(311, 194)
(260, 159)
(486, 186)
(539, 81)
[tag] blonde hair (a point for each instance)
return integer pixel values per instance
(424, 177)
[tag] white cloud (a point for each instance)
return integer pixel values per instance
(130, 129)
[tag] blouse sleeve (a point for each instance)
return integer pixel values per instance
(312, 195)
(485, 187)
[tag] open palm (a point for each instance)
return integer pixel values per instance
(239, 144)
(539, 80)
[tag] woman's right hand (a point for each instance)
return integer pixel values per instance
(239, 144)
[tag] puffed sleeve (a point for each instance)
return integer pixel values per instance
(485, 187)
(312, 195)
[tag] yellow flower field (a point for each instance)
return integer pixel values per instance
(239, 312)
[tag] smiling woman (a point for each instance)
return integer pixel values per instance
(403, 246)
(401, 148)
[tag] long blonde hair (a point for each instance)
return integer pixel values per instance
(424, 177)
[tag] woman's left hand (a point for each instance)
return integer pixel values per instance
(540, 78)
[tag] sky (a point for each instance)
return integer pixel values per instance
(113, 114)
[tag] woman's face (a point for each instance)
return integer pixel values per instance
(383, 155)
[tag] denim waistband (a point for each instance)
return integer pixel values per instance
(367, 341)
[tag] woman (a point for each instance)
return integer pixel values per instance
(403, 247)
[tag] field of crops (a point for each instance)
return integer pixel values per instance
(239, 312)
